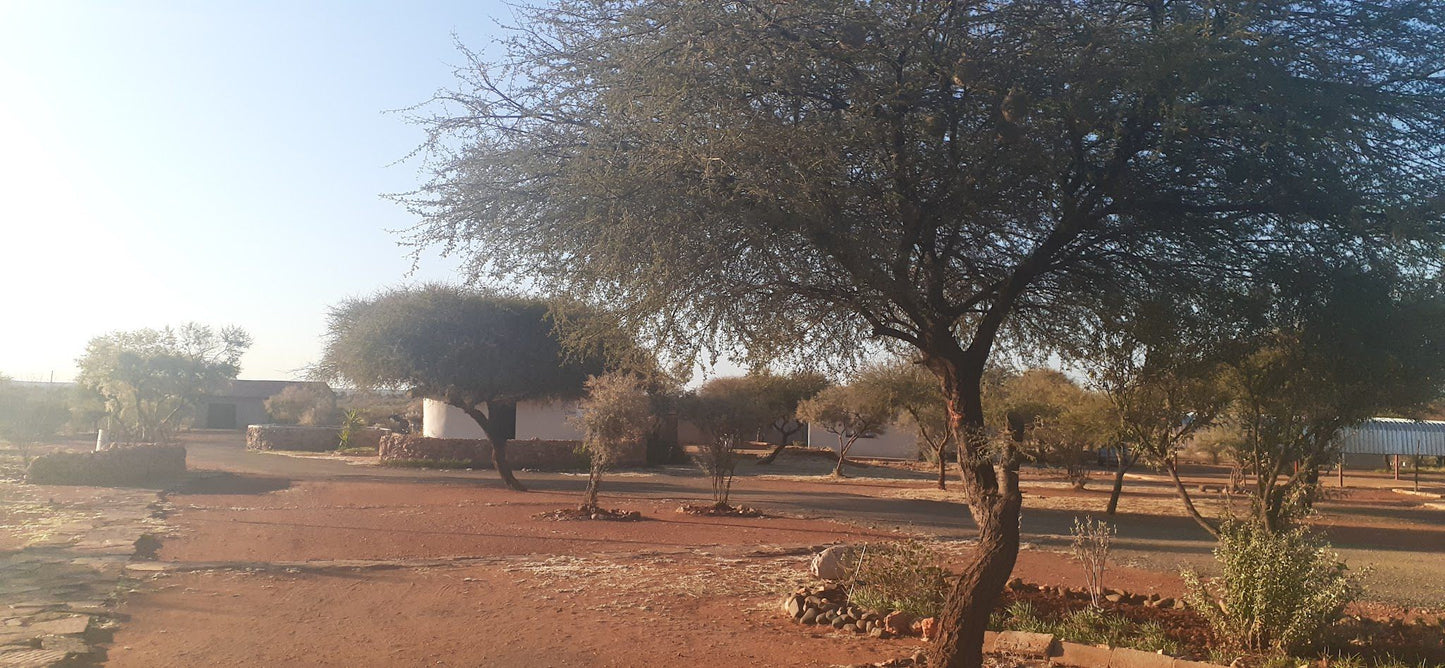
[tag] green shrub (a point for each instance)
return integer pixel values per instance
(898, 576)
(1090, 625)
(1276, 591)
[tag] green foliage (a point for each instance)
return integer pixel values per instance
(350, 422)
(30, 415)
(1090, 626)
(850, 412)
(310, 404)
(1277, 590)
(452, 344)
(779, 396)
(729, 412)
(917, 400)
(617, 411)
(1055, 422)
(151, 378)
(903, 575)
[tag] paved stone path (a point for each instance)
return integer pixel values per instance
(66, 566)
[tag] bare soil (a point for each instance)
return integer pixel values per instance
(671, 589)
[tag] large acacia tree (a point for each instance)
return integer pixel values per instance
(479, 352)
(945, 176)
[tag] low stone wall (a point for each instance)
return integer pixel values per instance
(529, 454)
(308, 439)
(116, 466)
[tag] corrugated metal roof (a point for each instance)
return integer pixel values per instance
(1394, 436)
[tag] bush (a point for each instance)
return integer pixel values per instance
(897, 576)
(1090, 626)
(128, 465)
(311, 404)
(1276, 591)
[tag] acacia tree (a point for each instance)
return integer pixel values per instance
(478, 352)
(780, 396)
(916, 398)
(849, 413)
(616, 412)
(938, 176)
(1339, 345)
(151, 378)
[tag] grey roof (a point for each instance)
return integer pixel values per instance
(254, 389)
(1394, 436)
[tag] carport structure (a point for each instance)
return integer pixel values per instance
(1393, 438)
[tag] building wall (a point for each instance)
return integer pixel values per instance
(892, 443)
(535, 420)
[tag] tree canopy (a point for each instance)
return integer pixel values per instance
(941, 176)
(151, 378)
(479, 352)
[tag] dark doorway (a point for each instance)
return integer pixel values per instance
(220, 416)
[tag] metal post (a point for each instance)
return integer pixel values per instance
(1342, 470)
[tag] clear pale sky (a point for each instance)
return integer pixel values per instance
(213, 161)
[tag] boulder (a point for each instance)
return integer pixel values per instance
(898, 622)
(830, 564)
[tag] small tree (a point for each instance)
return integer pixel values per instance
(850, 413)
(616, 412)
(151, 378)
(1056, 422)
(918, 400)
(1160, 376)
(311, 404)
(29, 416)
(727, 411)
(779, 396)
(1341, 344)
(478, 352)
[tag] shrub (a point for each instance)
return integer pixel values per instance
(311, 404)
(898, 576)
(1276, 591)
(616, 412)
(1090, 626)
(1091, 546)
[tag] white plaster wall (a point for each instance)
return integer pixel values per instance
(439, 420)
(548, 421)
(541, 420)
(893, 443)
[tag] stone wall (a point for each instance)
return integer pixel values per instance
(119, 466)
(529, 454)
(308, 439)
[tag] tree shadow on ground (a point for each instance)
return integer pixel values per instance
(226, 482)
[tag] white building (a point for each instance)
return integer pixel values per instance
(542, 420)
(892, 442)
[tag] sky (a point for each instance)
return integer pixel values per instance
(218, 162)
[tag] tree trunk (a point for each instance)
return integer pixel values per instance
(1115, 493)
(942, 469)
(1173, 468)
(1122, 463)
(842, 456)
(777, 450)
(499, 446)
(995, 501)
(594, 485)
